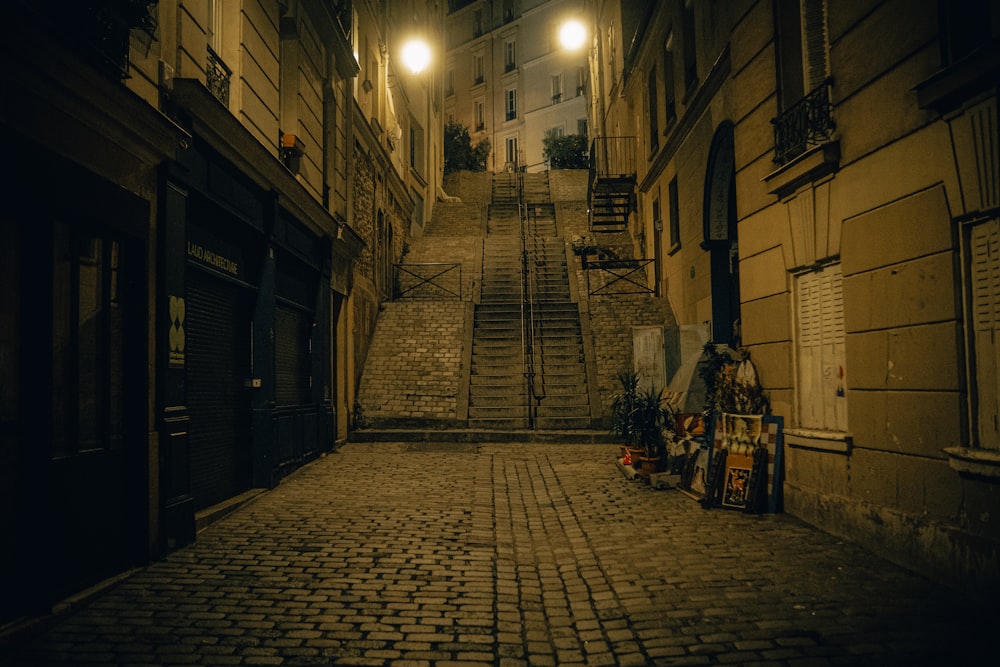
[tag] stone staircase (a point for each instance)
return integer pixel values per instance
(498, 390)
(441, 368)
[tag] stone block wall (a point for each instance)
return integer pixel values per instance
(414, 365)
(568, 185)
(469, 186)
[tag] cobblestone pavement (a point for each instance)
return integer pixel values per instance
(456, 554)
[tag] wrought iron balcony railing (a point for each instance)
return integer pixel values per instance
(613, 157)
(809, 122)
(217, 75)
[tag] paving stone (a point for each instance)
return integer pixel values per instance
(513, 558)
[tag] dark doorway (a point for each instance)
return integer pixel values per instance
(720, 237)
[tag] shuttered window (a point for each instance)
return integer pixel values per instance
(292, 356)
(814, 37)
(822, 402)
(984, 273)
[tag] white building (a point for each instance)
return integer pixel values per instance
(509, 80)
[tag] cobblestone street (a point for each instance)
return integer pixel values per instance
(508, 554)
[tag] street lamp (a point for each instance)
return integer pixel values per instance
(572, 35)
(416, 55)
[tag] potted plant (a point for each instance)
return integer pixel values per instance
(650, 419)
(644, 421)
(623, 407)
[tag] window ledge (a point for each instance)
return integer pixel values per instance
(835, 442)
(980, 462)
(811, 166)
(950, 87)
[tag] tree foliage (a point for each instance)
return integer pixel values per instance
(566, 151)
(459, 153)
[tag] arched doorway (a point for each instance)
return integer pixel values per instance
(720, 238)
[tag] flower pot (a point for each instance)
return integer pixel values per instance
(650, 465)
(636, 453)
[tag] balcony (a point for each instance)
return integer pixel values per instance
(511, 114)
(557, 98)
(217, 75)
(611, 197)
(805, 124)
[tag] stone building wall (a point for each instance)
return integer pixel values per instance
(414, 363)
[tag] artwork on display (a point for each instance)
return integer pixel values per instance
(736, 481)
(736, 473)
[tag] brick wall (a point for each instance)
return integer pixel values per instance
(414, 362)
(568, 185)
(469, 186)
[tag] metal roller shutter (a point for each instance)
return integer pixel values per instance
(218, 365)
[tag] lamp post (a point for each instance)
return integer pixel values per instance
(416, 55)
(572, 35)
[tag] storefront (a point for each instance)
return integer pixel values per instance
(246, 359)
(74, 392)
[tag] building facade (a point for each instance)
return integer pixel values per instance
(508, 78)
(204, 205)
(818, 182)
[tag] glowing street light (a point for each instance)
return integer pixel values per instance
(416, 55)
(572, 35)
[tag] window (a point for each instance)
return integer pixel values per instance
(449, 83)
(511, 104)
(690, 53)
(479, 113)
(477, 69)
(557, 88)
(654, 132)
(512, 153)
(293, 358)
(802, 49)
(416, 146)
(581, 81)
(509, 56)
(215, 25)
(88, 343)
(965, 26)
(612, 65)
(581, 126)
(657, 244)
(803, 79)
(477, 23)
(670, 105)
(984, 318)
(675, 216)
(557, 131)
(508, 10)
(821, 359)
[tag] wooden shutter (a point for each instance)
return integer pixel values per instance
(822, 377)
(814, 42)
(985, 276)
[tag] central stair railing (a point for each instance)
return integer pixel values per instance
(534, 396)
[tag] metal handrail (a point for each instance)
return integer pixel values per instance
(527, 308)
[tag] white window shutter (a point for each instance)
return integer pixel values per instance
(985, 275)
(822, 377)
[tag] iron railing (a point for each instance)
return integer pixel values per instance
(617, 276)
(534, 393)
(428, 281)
(613, 157)
(217, 75)
(808, 122)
